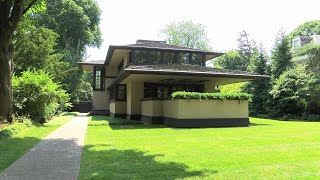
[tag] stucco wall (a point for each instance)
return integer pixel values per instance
(206, 109)
(209, 86)
(152, 108)
(100, 100)
(134, 95)
(195, 109)
(118, 107)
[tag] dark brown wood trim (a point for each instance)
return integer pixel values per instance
(204, 123)
(151, 119)
(133, 117)
(113, 115)
(110, 77)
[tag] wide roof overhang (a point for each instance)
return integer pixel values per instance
(175, 76)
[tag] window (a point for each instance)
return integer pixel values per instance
(183, 58)
(155, 57)
(296, 43)
(169, 58)
(98, 78)
(196, 59)
(141, 57)
(165, 90)
(118, 93)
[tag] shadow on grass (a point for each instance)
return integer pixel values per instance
(259, 124)
(122, 124)
(129, 164)
(70, 114)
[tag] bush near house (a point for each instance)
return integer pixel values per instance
(37, 96)
(221, 96)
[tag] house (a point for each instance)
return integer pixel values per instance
(300, 41)
(135, 81)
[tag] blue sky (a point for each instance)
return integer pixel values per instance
(125, 21)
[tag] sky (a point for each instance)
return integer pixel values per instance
(125, 21)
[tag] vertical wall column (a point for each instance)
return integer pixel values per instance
(135, 92)
(209, 87)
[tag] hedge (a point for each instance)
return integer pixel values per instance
(220, 96)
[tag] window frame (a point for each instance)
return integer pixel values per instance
(102, 73)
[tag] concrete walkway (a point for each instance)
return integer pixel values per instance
(58, 156)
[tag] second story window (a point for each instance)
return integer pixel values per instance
(98, 78)
(169, 58)
(196, 59)
(183, 58)
(141, 57)
(155, 57)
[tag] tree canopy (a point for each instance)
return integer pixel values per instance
(187, 33)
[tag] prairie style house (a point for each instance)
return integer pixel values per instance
(135, 81)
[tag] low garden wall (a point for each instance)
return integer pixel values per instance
(205, 111)
(118, 109)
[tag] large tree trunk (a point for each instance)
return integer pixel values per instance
(6, 50)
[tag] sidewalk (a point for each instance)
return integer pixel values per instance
(57, 156)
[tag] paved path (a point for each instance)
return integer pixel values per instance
(56, 157)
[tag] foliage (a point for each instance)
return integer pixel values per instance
(281, 56)
(83, 92)
(259, 89)
(221, 96)
(187, 33)
(37, 96)
(292, 91)
(35, 48)
(231, 60)
(246, 46)
(232, 88)
(306, 29)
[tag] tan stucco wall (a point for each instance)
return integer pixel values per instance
(170, 108)
(195, 109)
(151, 108)
(118, 107)
(189, 109)
(100, 100)
(209, 86)
(134, 95)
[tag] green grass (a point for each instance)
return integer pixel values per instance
(13, 148)
(268, 149)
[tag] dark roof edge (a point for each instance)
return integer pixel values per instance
(126, 72)
(113, 47)
(203, 74)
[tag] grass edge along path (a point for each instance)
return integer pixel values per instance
(16, 146)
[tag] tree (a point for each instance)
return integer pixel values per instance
(11, 13)
(77, 23)
(281, 56)
(35, 49)
(292, 91)
(259, 89)
(231, 60)
(246, 46)
(306, 29)
(187, 33)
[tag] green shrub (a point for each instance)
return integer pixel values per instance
(221, 96)
(292, 91)
(8, 132)
(37, 96)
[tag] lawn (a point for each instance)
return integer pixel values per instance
(13, 148)
(269, 149)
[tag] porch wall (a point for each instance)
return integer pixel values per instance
(195, 113)
(118, 109)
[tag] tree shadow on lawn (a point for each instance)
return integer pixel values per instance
(130, 164)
